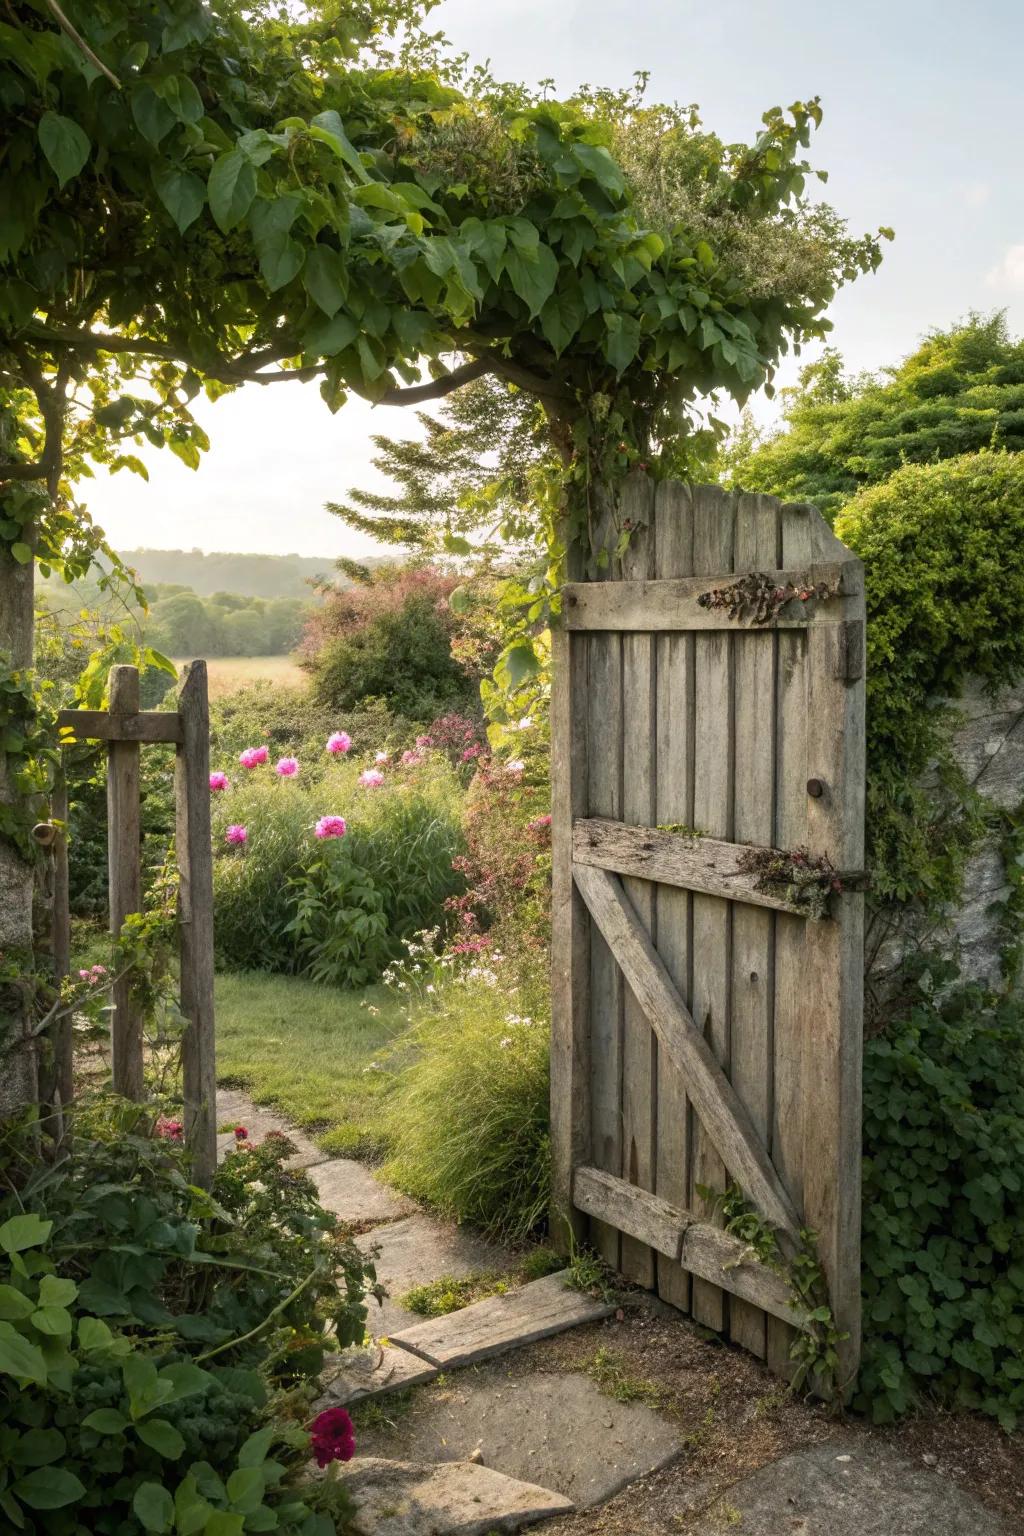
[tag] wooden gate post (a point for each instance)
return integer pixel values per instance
(195, 920)
(124, 838)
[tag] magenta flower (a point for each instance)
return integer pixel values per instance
(410, 758)
(371, 778)
(538, 824)
(287, 768)
(236, 834)
(218, 781)
(424, 741)
(241, 1134)
(253, 756)
(170, 1130)
(471, 752)
(334, 1437)
(338, 743)
(331, 826)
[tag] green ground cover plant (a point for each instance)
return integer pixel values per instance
(159, 1345)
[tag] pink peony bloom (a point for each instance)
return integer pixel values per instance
(382, 757)
(98, 971)
(241, 1134)
(84, 975)
(287, 768)
(339, 743)
(218, 781)
(170, 1130)
(236, 834)
(253, 756)
(410, 759)
(331, 826)
(371, 778)
(334, 1437)
(424, 741)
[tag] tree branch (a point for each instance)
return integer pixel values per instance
(415, 394)
(80, 42)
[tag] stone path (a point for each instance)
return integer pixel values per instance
(490, 1443)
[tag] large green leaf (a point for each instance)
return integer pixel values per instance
(39, 1447)
(154, 1507)
(14, 1306)
(161, 1437)
(105, 1421)
(622, 341)
(532, 278)
(49, 1488)
(326, 338)
(153, 117)
(182, 98)
(332, 132)
(21, 1232)
(280, 260)
(181, 193)
(65, 145)
(596, 159)
(325, 279)
(231, 188)
(563, 314)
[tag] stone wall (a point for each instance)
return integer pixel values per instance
(989, 746)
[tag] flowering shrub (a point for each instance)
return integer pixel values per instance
(147, 1328)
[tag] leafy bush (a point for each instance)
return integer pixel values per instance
(468, 1120)
(943, 551)
(290, 720)
(154, 1341)
(943, 1241)
(288, 902)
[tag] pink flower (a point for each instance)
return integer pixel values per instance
(424, 741)
(471, 752)
(538, 824)
(287, 768)
(382, 757)
(84, 975)
(334, 1437)
(371, 778)
(241, 1134)
(98, 971)
(218, 781)
(338, 743)
(253, 756)
(410, 759)
(331, 826)
(170, 1130)
(236, 834)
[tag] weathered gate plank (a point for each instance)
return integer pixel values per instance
(124, 862)
(661, 604)
(195, 922)
(723, 1118)
(753, 980)
(714, 514)
(639, 767)
(604, 798)
(673, 533)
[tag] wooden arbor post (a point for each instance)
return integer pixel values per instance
(124, 727)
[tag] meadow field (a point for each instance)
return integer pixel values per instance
(227, 673)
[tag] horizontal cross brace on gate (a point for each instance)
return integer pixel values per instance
(704, 864)
(672, 603)
(149, 725)
(717, 1104)
(689, 1240)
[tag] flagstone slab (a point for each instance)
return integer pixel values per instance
(236, 1108)
(396, 1498)
(500, 1323)
(364, 1373)
(349, 1190)
(847, 1488)
(555, 1429)
(418, 1250)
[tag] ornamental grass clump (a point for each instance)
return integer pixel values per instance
(467, 1120)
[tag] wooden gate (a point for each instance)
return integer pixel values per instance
(706, 1023)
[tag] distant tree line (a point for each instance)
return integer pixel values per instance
(221, 571)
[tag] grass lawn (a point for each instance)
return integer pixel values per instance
(308, 1051)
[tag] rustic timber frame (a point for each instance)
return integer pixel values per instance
(706, 1030)
(126, 728)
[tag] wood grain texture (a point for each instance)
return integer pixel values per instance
(119, 725)
(714, 513)
(672, 604)
(61, 1036)
(682, 1238)
(673, 527)
(604, 798)
(639, 785)
(570, 943)
(124, 867)
(705, 864)
(753, 932)
(195, 919)
(723, 1118)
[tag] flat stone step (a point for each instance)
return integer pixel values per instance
(349, 1190)
(500, 1323)
(398, 1498)
(364, 1373)
(417, 1250)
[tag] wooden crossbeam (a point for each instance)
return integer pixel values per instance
(101, 725)
(703, 864)
(671, 603)
(718, 1106)
(691, 1242)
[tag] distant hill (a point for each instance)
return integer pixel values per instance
(248, 575)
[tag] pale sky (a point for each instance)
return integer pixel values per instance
(922, 131)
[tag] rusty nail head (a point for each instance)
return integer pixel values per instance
(815, 788)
